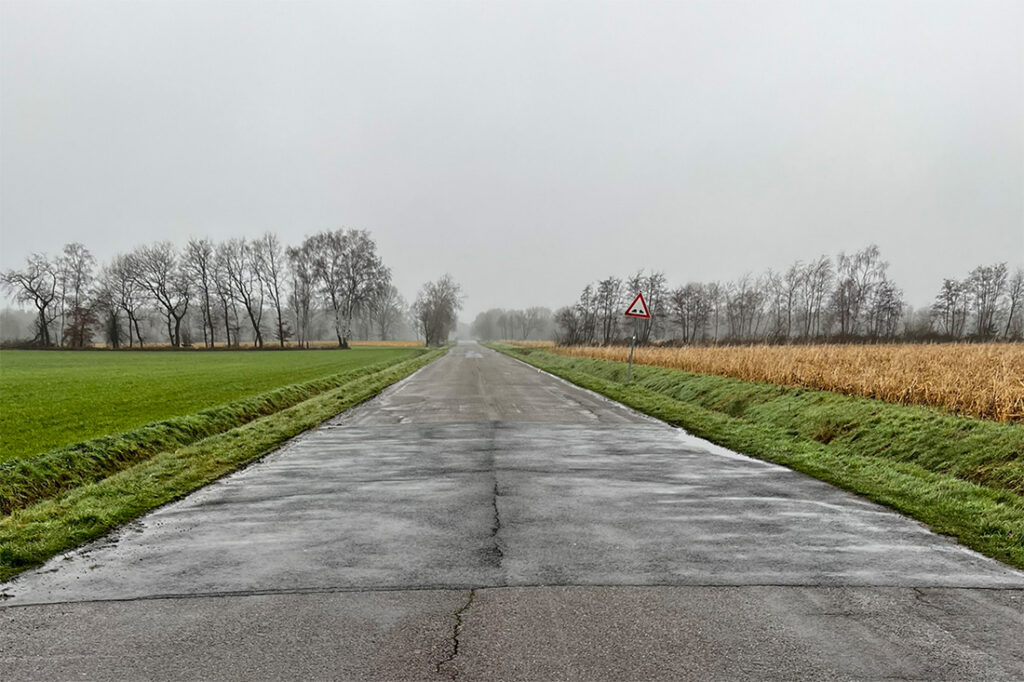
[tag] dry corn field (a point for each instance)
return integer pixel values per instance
(983, 380)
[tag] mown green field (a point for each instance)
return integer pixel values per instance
(54, 398)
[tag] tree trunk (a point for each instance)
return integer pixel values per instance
(170, 329)
(227, 324)
(337, 329)
(208, 312)
(280, 324)
(44, 332)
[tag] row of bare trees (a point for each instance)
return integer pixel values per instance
(987, 304)
(255, 288)
(849, 297)
(498, 323)
(59, 290)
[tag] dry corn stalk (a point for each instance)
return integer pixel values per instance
(980, 380)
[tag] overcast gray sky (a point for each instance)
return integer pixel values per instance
(524, 147)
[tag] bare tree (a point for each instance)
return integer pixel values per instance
(589, 313)
(106, 301)
(436, 308)
(815, 286)
(349, 272)
(300, 268)
(225, 294)
(531, 320)
(128, 292)
(497, 323)
(986, 285)
(858, 275)
(485, 325)
(609, 300)
(773, 291)
(270, 263)
(792, 283)
(579, 323)
(507, 324)
(1014, 296)
(679, 304)
(412, 318)
(36, 284)
(328, 254)
(75, 272)
(385, 310)
(245, 282)
(570, 326)
(744, 306)
(198, 261)
(715, 294)
(512, 320)
(159, 272)
(691, 307)
(950, 308)
(885, 310)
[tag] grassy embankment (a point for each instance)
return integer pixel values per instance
(58, 499)
(961, 476)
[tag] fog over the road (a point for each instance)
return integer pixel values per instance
(525, 147)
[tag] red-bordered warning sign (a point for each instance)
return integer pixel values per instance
(638, 308)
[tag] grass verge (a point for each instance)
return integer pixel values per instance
(27, 480)
(961, 476)
(33, 534)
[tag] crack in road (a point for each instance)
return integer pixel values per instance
(922, 597)
(495, 553)
(446, 665)
(496, 526)
(448, 662)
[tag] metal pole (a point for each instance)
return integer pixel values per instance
(629, 368)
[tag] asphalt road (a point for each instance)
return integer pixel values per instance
(483, 520)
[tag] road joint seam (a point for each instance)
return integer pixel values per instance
(504, 586)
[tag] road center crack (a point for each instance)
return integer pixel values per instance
(447, 664)
(496, 525)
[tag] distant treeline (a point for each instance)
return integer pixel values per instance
(846, 298)
(497, 323)
(333, 284)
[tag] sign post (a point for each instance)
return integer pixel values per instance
(632, 346)
(637, 310)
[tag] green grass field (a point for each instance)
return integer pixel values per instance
(54, 398)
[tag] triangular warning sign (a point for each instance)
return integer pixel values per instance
(638, 308)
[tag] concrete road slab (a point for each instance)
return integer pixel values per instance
(336, 636)
(741, 633)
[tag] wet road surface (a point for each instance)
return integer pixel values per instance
(484, 520)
